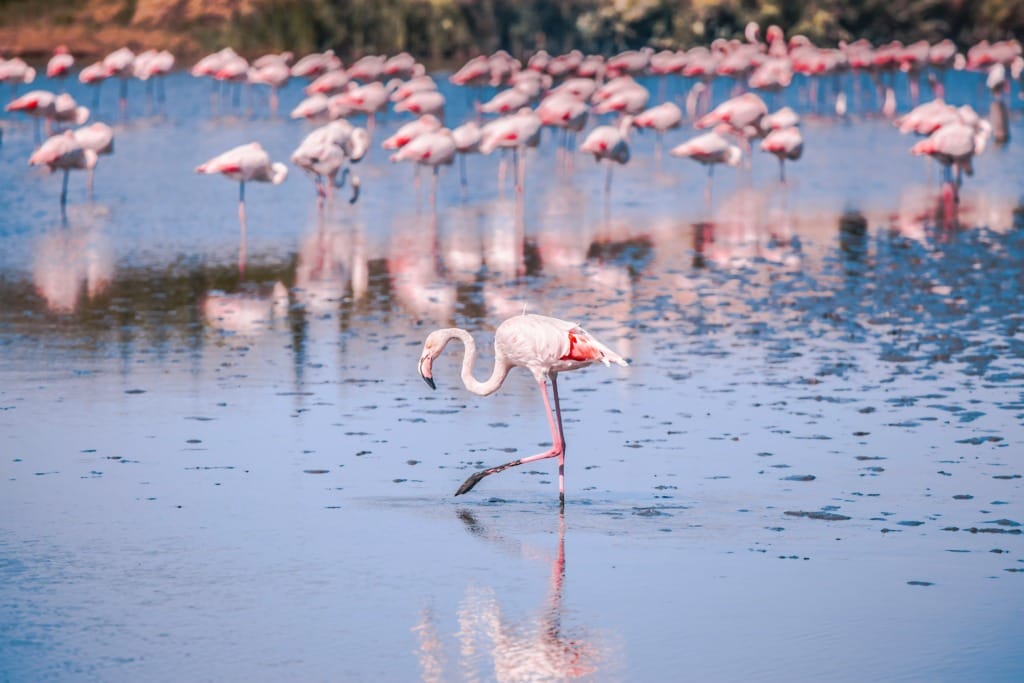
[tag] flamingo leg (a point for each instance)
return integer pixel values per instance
(242, 227)
(557, 447)
(64, 194)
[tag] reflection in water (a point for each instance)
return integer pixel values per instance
(247, 312)
(71, 261)
(495, 645)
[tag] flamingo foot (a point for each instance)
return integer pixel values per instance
(474, 479)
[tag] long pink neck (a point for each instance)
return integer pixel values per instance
(498, 374)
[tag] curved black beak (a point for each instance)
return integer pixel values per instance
(426, 378)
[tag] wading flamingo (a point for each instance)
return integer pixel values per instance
(544, 346)
(245, 163)
(63, 152)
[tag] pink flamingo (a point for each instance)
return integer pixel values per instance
(610, 144)
(428, 123)
(423, 102)
(512, 99)
(325, 151)
(516, 132)
(99, 137)
(63, 152)
(955, 144)
(316, 64)
(564, 109)
(467, 138)
(150, 65)
(709, 149)
(367, 69)
(544, 346)
(60, 64)
(784, 143)
(429, 149)
(119, 63)
(245, 163)
(660, 118)
(328, 83)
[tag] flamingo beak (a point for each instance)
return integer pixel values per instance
(424, 369)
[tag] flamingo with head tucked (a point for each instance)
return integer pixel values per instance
(245, 163)
(545, 346)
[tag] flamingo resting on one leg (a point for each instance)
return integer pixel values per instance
(544, 346)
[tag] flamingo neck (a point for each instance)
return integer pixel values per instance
(498, 374)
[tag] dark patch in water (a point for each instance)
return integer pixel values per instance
(818, 514)
(920, 583)
(799, 477)
(963, 496)
(316, 471)
(135, 391)
(978, 440)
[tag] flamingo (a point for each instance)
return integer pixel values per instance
(15, 71)
(60, 64)
(565, 110)
(429, 149)
(467, 139)
(610, 144)
(785, 143)
(316, 64)
(660, 118)
(99, 137)
(545, 346)
(515, 132)
(63, 152)
(119, 63)
(709, 149)
(422, 102)
(955, 144)
(245, 163)
(328, 83)
(150, 65)
(324, 151)
(428, 123)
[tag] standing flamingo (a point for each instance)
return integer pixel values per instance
(610, 144)
(785, 143)
(432, 149)
(245, 163)
(60, 64)
(63, 152)
(544, 346)
(99, 137)
(325, 151)
(709, 149)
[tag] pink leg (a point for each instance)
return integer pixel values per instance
(557, 447)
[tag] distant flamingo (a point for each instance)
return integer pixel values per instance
(709, 149)
(326, 150)
(467, 138)
(544, 346)
(954, 145)
(609, 144)
(98, 137)
(428, 123)
(784, 143)
(423, 102)
(60, 64)
(660, 118)
(516, 132)
(63, 152)
(429, 149)
(119, 63)
(245, 163)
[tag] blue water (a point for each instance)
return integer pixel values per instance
(810, 470)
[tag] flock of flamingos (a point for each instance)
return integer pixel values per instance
(558, 92)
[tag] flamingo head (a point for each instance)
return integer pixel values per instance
(432, 348)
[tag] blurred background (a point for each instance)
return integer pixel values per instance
(444, 32)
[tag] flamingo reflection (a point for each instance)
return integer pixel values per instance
(494, 645)
(72, 262)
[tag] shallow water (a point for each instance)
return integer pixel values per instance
(810, 471)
